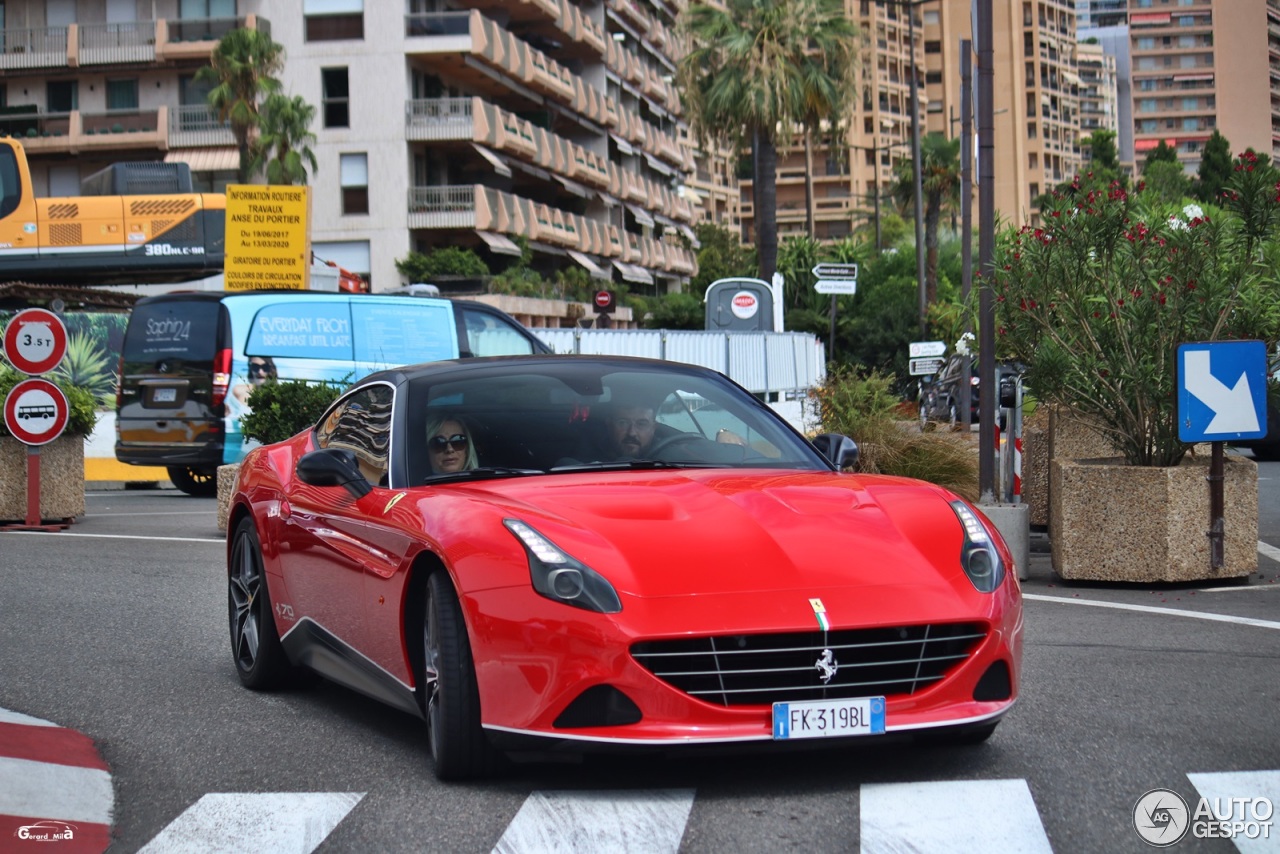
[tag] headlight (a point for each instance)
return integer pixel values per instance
(979, 556)
(560, 577)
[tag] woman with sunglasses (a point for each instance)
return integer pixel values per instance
(449, 446)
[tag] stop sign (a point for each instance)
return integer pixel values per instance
(604, 301)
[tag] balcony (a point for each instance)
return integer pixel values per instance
(42, 47)
(163, 40)
(113, 44)
(439, 119)
(486, 209)
(77, 132)
(198, 126)
(438, 37)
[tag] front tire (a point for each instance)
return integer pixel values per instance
(201, 483)
(459, 747)
(260, 659)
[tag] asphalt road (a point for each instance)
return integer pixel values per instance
(118, 627)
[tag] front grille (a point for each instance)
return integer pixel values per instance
(743, 670)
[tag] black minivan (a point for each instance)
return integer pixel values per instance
(189, 361)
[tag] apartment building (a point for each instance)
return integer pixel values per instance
(850, 175)
(1036, 94)
(1201, 65)
(1101, 13)
(471, 123)
(85, 85)
(1098, 91)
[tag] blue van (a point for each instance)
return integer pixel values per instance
(189, 361)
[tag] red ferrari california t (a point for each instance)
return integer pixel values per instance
(595, 552)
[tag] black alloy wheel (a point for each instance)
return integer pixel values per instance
(260, 660)
(459, 746)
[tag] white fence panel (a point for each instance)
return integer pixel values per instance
(761, 362)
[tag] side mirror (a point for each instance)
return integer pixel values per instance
(840, 450)
(333, 467)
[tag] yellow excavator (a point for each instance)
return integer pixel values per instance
(137, 223)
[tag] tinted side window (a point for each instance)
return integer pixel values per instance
(361, 423)
(491, 335)
(10, 190)
(185, 329)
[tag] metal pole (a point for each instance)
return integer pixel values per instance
(966, 219)
(987, 391)
(1216, 525)
(831, 337)
(915, 153)
(875, 189)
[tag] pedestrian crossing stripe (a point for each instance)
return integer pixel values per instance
(226, 823)
(620, 822)
(960, 817)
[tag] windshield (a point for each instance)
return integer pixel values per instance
(584, 415)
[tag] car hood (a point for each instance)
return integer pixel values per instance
(657, 534)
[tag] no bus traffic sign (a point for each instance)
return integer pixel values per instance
(35, 341)
(36, 411)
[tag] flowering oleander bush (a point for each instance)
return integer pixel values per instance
(1096, 301)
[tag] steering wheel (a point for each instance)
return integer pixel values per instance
(672, 442)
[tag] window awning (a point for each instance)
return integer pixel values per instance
(688, 233)
(573, 186)
(666, 221)
(690, 194)
(500, 244)
(623, 145)
(608, 199)
(632, 273)
(596, 271)
(494, 160)
(206, 159)
(641, 215)
(657, 164)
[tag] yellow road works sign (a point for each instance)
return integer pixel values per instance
(268, 238)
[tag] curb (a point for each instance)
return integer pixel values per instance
(54, 787)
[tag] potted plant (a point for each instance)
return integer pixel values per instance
(278, 411)
(1095, 302)
(61, 461)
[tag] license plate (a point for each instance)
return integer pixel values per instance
(828, 718)
(165, 395)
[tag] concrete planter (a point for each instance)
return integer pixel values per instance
(61, 479)
(226, 486)
(1115, 522)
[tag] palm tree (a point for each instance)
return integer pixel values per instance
(757, 69)
(940, 185)
(242, 69)
(283, 147)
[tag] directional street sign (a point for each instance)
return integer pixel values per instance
(836, 286)
(836, 271)
(920, 349)
(924, 367)
(1222, 391)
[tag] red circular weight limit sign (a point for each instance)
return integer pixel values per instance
(35, 341)
(36, 411)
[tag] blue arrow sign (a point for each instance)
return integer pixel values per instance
(1222, 391)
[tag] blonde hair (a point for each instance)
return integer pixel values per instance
(437, 421)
